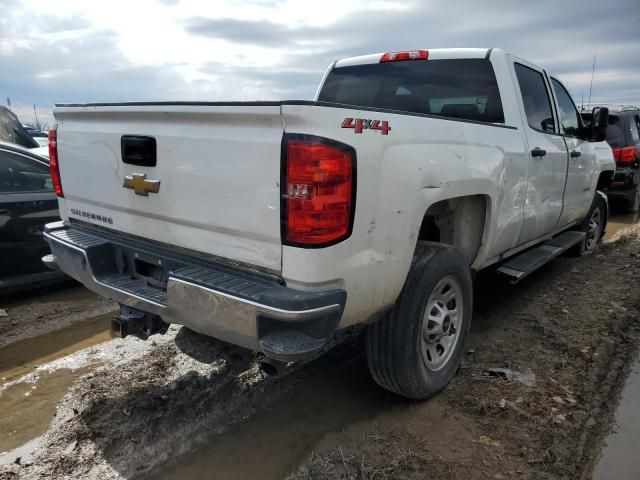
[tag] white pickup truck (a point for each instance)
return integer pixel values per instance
(275, 225)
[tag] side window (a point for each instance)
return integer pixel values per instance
(537, 105)
(20, 173)
(615, 133)
(635, 129)
(569, 117)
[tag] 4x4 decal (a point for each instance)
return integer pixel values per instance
(360, 124)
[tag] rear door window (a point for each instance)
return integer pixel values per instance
(537, 104)
(461, 88)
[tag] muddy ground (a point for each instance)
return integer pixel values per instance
(36, 313)
(184, 406)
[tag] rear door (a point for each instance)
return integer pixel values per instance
(583, 168)
(27, 203)
(547, 165)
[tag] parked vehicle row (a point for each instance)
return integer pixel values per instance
(42, 138)
(274, 225)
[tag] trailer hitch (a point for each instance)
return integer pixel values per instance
(137, 323)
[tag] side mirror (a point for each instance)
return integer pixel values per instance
(599, 124)
(548, 125)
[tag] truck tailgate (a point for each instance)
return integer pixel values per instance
(218, 168)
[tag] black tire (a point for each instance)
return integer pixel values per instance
(587, 246)
(395, 345)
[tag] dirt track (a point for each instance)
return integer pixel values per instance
(138, 406)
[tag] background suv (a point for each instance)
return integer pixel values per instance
(623, 135)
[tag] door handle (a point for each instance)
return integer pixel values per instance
(538, 152)
(575, 154)
(138, 150)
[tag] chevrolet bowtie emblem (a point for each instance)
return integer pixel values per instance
(138, 183)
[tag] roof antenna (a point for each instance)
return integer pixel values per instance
(591, 85)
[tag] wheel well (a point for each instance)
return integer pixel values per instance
(458, 222)
(604, 180)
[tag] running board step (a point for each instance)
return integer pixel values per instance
(529, 261)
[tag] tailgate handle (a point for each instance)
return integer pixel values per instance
(138, 150)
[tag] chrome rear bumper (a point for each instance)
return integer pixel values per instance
(232, 304)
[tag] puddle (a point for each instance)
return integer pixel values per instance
(619, 457)
(23, 452)
(617, 223)
(28, 408)
(23, 356)
(271, 443)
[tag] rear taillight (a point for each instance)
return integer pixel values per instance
(625, 155)
(318, 191)
(404, 55)
(54, 166)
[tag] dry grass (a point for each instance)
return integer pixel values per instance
(387, 460)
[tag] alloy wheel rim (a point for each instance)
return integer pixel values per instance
(593, 230)
(441, 323)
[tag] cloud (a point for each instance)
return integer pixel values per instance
(86, 68)
(242, 31)
(563, 40)
(271, 49)
(69, 24)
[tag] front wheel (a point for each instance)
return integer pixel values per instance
(593, 226)
(415, 351)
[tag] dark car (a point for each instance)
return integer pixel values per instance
(27, 203)
(34, 132)
(623, 135)
(38, 135)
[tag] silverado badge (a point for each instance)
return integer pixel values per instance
(138, 183)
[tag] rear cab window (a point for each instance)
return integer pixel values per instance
(457, 88)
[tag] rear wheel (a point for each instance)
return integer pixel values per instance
(593, 225)
(415, 351)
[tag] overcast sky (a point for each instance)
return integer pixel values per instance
(112, 50)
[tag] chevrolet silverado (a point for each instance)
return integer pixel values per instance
(276, 225)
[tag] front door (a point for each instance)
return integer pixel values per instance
(548, 156)
(583, 169)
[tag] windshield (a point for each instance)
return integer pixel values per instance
(12, 131)
(461, 88)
